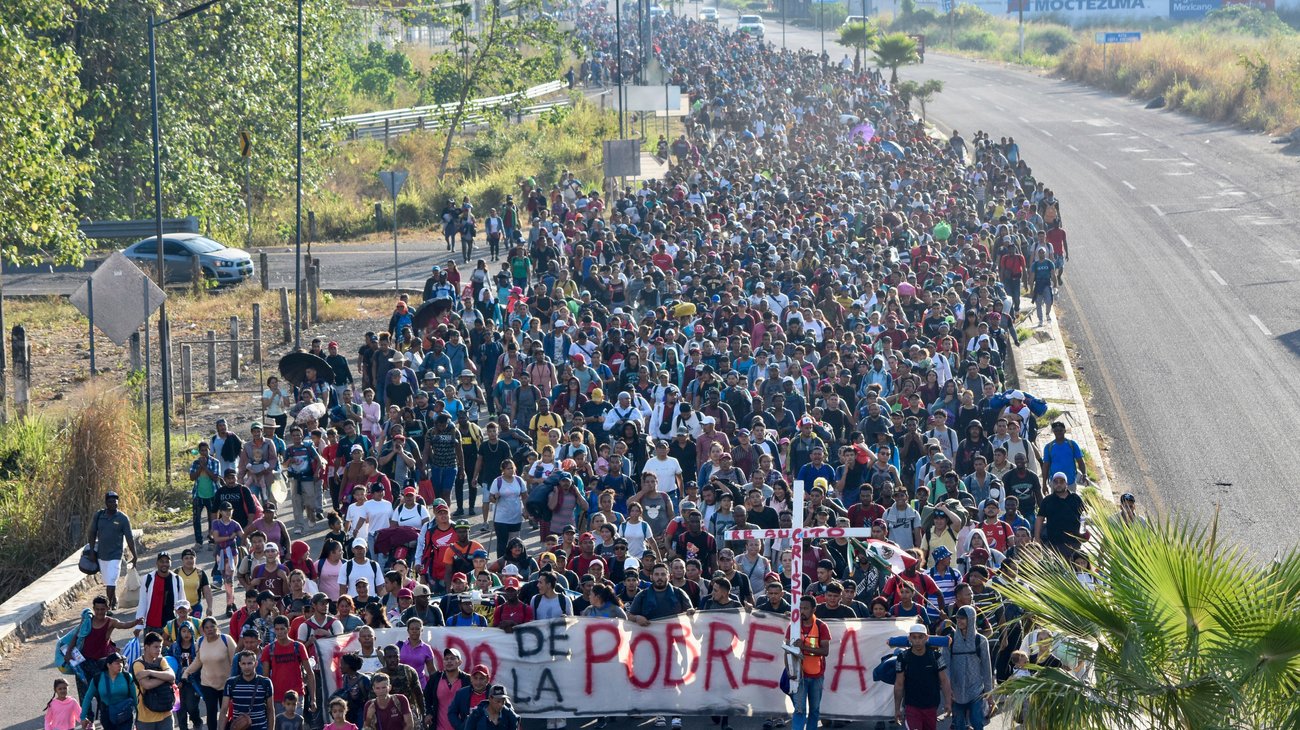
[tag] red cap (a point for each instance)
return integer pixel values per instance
(461, 576)
(441, 508)
(405, 593)
(771, 576)
(481, 669)
(586, 536)
(510, 581)
(409, 490)
(332, 344)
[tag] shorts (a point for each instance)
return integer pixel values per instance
(111, 570)
(1059, 262)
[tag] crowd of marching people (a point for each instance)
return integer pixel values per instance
(820, 296)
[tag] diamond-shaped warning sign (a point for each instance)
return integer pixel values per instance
(124, 297)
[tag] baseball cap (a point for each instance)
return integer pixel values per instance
(479, 554)
(918, 629)
(510, 581)
(479, 668)
(405, 593)
(409, 490)
(420, 590)
(271, 548)
(497, 691)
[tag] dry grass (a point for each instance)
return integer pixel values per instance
(54, 472)
(1215, 75)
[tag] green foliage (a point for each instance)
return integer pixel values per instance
(1248, 20)
(827, 15)
(1052, 40)
(376, 83)
(977, 40)
(502, 54)
(907, 8)
(859, 35)
(441, 85)
(228, 69)
(46, 163)
(894, 50)
(1180, 631)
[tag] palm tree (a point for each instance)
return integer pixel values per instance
(859, 35)
(1179, 631)
(894, 50)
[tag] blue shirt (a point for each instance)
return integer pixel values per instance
(1061, 457)
(808, 473)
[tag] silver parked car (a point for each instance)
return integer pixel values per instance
(219, 263)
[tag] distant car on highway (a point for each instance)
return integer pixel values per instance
(752, 25)
(709, 15)
(853, 20)
(219, 263)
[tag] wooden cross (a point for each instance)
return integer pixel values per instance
(797, 535)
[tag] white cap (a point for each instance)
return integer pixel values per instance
(918, 629)
(631, 564)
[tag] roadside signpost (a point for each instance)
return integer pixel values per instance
(393, 180)
(1107, 38)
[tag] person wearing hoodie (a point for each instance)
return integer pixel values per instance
(495, 713)
(970, 669)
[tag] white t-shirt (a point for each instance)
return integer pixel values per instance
(351, 572)
(637, 535)
(410, 516)
(378, 513)
(666, 469)
(901, 524)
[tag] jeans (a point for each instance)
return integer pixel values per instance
(968, 715)
(197, 506)
(211, 705)
(807, 703)
(1043, 297)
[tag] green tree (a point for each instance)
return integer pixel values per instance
(227, 70)
(45, 165)
(859, 35)
(1180, 631)
(926, 91)
(894, 50)
(504, 55)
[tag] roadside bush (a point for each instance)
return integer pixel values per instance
(1052, 40)
(54, 473)
(978, 40)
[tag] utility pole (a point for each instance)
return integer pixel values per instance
(618, 61)
(164, 334)
(297, 216)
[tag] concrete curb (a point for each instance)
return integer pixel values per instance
(1061, 393)
(23, 614)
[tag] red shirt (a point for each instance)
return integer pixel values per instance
(924, 584)
(1013, 263)
(997, 533)
(1056, 237)
(520, 613)
(285, 661)
(861, 515)
(156, 616)
(662, 260)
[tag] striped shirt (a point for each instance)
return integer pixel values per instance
(248, 697)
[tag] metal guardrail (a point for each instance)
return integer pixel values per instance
(138, 228)
(381, 125)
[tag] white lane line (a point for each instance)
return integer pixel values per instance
(1156, 208)
(1128, 184)
(1072, 147)
(1098, 164)
(1215, 275)
(1026, 121)
(999, 108)
(1049, 134)
(1261, 326)
(1186, 242)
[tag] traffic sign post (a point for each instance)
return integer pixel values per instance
(393, 180)
(1105, 39)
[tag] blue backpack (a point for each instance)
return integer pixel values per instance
(887, 670)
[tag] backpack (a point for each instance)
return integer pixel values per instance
(161, 698)
(347, 572)
(566, 603)
(73, 638)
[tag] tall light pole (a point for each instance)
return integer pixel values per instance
(618, 61)
(164, 335)
(298, 293)
(783, 24)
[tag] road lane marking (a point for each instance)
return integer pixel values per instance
(1049, 134)
(1072, 147)
(1156, 208)
(1215, 275)
(1261, 326)
(1026, 121)
(1098, 164)
(1128, 184)
(1186, 242)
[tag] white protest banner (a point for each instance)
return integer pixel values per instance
(708, 663)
